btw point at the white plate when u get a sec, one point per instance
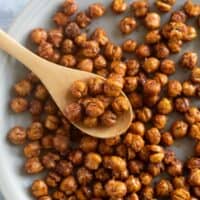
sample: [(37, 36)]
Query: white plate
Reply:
[(13, 182)]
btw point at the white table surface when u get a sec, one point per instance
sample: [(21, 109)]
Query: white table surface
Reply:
[(9, 9)]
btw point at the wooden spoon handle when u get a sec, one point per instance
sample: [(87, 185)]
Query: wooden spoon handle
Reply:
[(15, 49)]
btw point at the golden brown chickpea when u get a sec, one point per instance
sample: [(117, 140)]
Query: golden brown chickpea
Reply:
[(189, 60), (60, 19), (50, 107), (136, 100), (70, 7), (147, 193), (108, 118), (132, 67), (120, 105), (45, 198), (189, 89), (38, 35), (167, 139), (165, 106), (103, 72), (17, 135), (80, 39), (174, 88), (133, 184), (145, 178), (79, 89), (84, 176), (47, 142), (33, 166), (51, 122), (151, 87), (52, 179), (190, 34), (49, 160), (129, 46), (161, 51), (96, 10), (164, 5), (88, 144), (169, 157), (140, 8), (161, 78), (113, 52), (138, 128), (191, 8), (143, 51), (95, 86), (179, 182), (82, 19), (151, 101), (155, 169), (197, 148), (23, 88), (41, 92), (94, 108), (102, 174), (194, 131), (151, 65), (45, 50), (55, 37), (193, 115), (35, 107), (76, 157), (61, 143), (182, 104), (57, 195), (35, 131), (193, 163), (179, 129), (64, 168), (176, 168), (90, 49), (68, 61), (85, 65), (68, 46), (100, 62), (32, 149), (39, 188), (100, 36), (152, 37), (152, 20), (136, 166), (72, 30), (134, 141), (144, 114), (175, 45), (180, 194), (73, 112), (119, 6), (98, 190), (92, 161), (194, 177), (178, 16), (164, 188), (130, 84), (195, 75), (167, 66), (69, 185), (159, 121), (115, 189), (153, 136), (118, 67), (18, 104), (128, 25)]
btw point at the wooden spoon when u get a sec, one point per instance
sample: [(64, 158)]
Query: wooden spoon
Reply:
[(58, 80)]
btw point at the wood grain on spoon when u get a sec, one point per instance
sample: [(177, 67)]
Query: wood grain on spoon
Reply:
[(57, 80)]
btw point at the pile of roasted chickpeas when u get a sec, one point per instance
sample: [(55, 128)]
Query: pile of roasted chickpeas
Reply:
[(98, 102), (80, 167)]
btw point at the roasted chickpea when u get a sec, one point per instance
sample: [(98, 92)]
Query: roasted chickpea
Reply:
[(176, 168), (38, 35), (17, 135), (189, 89), (18, 104), (180, 194), (120, 105), (35, 131), (82, 19), (178, 16), (179, 129), (161, 51), (138, 128), (165, 106), (194, 131), (145, 178), (92, 161), (192, 115), (189, 60), (113, 52), (152, 20), (128, 25), (164, 5), (72, 30), (45, 198), (41, 92), (68, 46), (33, 166), (96, 10), (159, 121), (60, 19), (45, 50), (130, 84), (108, 118), (182, 104), (134, 141), (133, 184), (69, 7), (167, 66), (140, 8), (195, 75), (100, 36), (129, 46), (152, 87), (132, 67), (164, 188), (79, 89), (143, 51), (151, 65), (23, 88), (73, 112), (49, 160), (155, 169), (153, 136), (147, 193), (144, 114), (119, 6), (194, 177), (69, 185), (55, 37), (191, 8), (51, 122), (115, 189), (32, 149), (39, 188), (167, 139), (191, 33), (152, 37), (88, 144), (174, 88)]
